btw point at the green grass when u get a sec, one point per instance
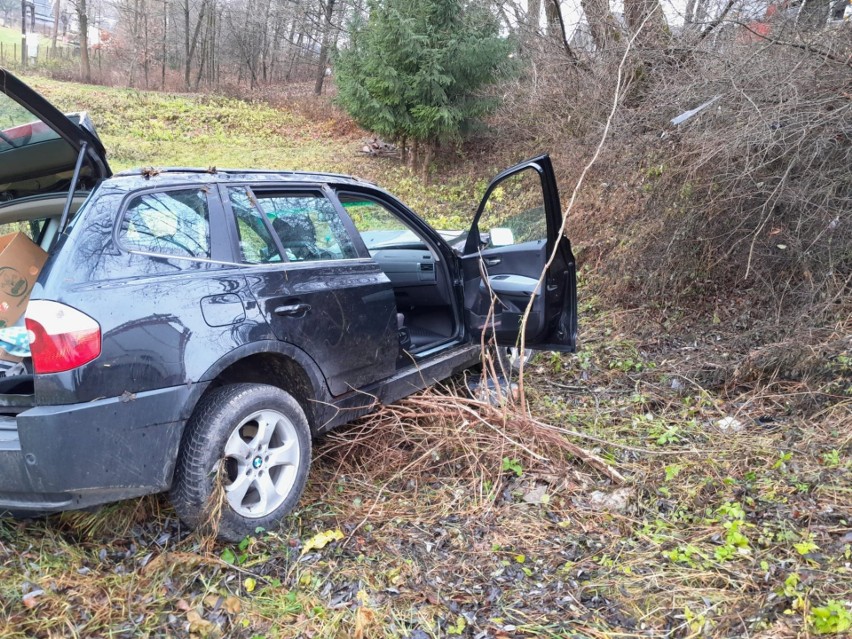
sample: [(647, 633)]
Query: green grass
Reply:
[(11, 40), (722, 534)]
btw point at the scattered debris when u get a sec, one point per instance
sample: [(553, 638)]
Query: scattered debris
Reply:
[(29, 599), (617, 501), (536, 493), (376, 147), (686, 115), (321, 540), (731, 424)]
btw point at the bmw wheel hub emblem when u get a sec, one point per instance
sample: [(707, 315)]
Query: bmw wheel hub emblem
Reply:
[(257, 462)]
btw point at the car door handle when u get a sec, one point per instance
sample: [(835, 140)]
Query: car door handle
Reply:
[(293, 309), (492, 261)]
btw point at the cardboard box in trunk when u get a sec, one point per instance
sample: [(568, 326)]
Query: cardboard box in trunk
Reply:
[(20, 263)]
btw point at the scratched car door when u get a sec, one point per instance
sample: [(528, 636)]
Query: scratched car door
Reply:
[(312, 285)]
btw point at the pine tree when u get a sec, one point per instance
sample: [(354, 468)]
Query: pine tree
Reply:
[(414, 70)]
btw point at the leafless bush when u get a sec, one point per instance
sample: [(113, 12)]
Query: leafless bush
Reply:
[(755, 193), (750, 197)]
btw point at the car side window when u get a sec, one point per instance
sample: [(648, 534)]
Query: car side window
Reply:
[(307, 226), (514, 213), (168, 223), (378, 226), (256, 243)]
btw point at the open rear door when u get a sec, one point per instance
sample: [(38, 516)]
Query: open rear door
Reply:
[(514, 233), (40, 146)]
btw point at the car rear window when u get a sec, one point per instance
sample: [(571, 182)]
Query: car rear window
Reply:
[(168, 223)]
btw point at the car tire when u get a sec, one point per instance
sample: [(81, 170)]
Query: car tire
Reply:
[(243, 462)]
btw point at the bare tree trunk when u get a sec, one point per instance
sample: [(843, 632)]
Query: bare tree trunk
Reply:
[(601, 23), (326, 35), (145, 45), (276, 33), (165, 40), (413, 155), (83, 21), (218, 31), (264, 43), (534, 15), (206, 56), (427, 160), (190, 45), (211, 53), (689, 13), (699, 17), (55, 34), (646, 15), (24, 33), (202, 59), (296, 51), (556, 28), (134, 36), (186, 29)]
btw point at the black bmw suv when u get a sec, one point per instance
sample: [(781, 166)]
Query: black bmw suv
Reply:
[(194, 329)]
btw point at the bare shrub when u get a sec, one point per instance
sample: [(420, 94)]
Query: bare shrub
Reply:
[(446, 437), (752, 197), (759, 191)]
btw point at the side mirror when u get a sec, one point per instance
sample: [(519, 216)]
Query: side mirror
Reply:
[(502, 236)]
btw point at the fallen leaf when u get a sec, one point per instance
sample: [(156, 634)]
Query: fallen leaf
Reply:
[(29, 600), (232, 605), (201, 627), (363, 618), (321, 540), (182, 605)]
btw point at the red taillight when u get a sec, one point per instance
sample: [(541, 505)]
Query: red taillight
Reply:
[(61, 337)]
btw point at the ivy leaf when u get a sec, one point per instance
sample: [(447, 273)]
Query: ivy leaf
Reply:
[(228, 556)]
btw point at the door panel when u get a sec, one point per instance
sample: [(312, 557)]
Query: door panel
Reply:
[(513, 235), (343, 315), (312, 288)]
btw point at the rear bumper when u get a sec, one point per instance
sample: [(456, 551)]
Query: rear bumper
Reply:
[(72, 456)]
